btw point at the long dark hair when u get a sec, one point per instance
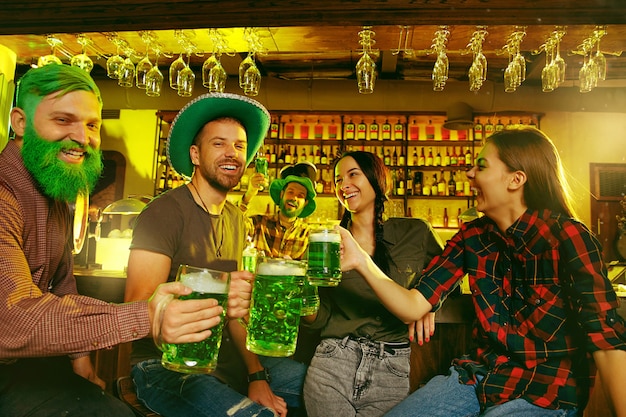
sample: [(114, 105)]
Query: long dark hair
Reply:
[(378, 177), (531, 151)]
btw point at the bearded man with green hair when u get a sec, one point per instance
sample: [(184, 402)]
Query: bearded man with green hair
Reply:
[(48, 329)]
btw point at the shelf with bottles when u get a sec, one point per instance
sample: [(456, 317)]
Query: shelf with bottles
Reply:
[(165, 178)]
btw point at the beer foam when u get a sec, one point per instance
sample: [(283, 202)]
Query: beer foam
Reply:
[(285, 268), (324, 237), (202, 282)]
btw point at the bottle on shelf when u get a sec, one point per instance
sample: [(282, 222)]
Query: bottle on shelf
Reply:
[(387, 158), (445, 217), (451, 185), (454, 159), (304, 130), (430, 131), (414, 131), (302, 157), (468, 157), (274, 128), (374, 134), (437, 160), (288, 157), (445, 161), (398, 130), (324, 157), (414, 158), (332, 129), (402, 157), (489, 128), (421, 161), (429, 158), (318, 130), (426, 186), (349, 130), (458, 189), (445, 134), (311, 156), (499, 126), (386, 130), (417, 183), (289, 129), (408, 212), (394, 158), (441, 185), (318, 156), (478, 130), (281, 156), (409, 183), (361, 130), (328, 183)]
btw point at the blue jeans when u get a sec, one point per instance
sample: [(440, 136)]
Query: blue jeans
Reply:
[(43, 387), (355, 378), (172, 393), (445, 396)]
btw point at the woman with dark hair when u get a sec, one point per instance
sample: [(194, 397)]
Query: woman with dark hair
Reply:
[(361, 366), (539, 287)]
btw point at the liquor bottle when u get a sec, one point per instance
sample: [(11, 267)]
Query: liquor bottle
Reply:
[(430, 131), (281, 156), (499, 126), (426, 188), (332, 130), (414, 157), (467, 191), (319, 186), (288, 158), (311, 156), (437, 160), (409, 183), (408, 212), (417, 183), (328, 183), (445, 134), (302, 157), (461, 134), (402, 158), (451, 185), (267, 209), (361, 130), (454, 158), (318, 156), (374, 134), (478, 130), (394, 158), (274, 128), (318, 130), (441, 185), (445, 217), (446, 158), (398, 131), (421, 161), (323, 158), (458, 190), (489, 128), (268, 154), (349, 130), (400, 190), (394, 182), (304, 130), (414, 131), (387, 158), (429, 216), (289, 129), (459, 222), (386, 130), (273, 153), (429, 158), (468, 158)]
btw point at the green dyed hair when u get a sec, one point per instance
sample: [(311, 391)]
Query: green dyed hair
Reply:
[(40, 82)]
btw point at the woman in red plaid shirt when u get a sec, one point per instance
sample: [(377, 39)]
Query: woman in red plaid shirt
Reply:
[(543, 302)]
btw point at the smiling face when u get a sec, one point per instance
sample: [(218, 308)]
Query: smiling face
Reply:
[(293, 199), (61, 143), (493, 183), (352, 187), (219, 153)]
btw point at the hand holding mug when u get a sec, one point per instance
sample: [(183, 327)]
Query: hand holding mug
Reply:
[(239, 294), (352, 255)]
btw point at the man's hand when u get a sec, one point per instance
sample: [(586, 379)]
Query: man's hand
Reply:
[(181, 321), (239, 294), (261, 393), (82, 366)]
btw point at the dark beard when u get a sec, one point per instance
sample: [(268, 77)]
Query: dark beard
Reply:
[(57, 179), (219, 181)]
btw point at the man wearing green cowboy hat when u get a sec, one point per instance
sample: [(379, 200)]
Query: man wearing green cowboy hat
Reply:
[(286, 234), (211, 141)]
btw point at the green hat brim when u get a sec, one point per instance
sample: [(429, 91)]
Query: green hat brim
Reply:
[(279, 184), (191, 119)]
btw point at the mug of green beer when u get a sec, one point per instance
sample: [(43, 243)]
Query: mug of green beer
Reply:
[(324, 257), (275, 307), (199, 357)]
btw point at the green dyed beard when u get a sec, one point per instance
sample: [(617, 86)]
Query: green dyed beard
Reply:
[(57, 179)]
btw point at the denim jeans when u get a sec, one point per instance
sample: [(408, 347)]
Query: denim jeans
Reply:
[(445, 396), (350, 378), (43, 387), (171, 393)]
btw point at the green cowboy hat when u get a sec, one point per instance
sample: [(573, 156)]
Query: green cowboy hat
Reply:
[(253, 116), (280, 183)]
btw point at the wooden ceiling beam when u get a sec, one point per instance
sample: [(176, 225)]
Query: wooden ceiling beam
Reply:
[(67, 16)]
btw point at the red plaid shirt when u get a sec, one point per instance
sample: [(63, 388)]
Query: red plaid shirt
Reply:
[(524, 345)]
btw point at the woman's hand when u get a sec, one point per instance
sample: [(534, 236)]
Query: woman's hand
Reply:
[(352, 255), (423, 329)]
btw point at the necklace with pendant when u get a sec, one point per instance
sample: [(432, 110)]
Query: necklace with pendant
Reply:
[(218, 248)]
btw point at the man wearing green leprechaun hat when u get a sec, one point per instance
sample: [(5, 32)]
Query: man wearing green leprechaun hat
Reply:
[(285, 233), (211, 141)]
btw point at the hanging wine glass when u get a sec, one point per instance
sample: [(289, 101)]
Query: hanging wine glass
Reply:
[(366, 74), (114, 65), (175, 68), (82, 61), (440, 71), (213, 75), (252, 81), (154, 79), (559, 63), (141, 71), (186, 80), (51, 58), (600, 62), (584, 76), (243, 67), (126, 73)]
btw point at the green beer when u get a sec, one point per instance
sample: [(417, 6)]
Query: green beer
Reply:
[(275, 307), (199, 357), (310, 299), (324, 258)]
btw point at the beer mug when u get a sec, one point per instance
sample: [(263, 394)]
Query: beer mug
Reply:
[(310, 299), (199, 357), (324, 257), (275, 307)]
